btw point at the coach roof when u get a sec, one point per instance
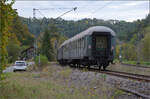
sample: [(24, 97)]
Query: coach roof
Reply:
[(89, 31)]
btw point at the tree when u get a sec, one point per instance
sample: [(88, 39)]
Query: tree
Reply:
[(21, 31), (129, 51), (13, 48), (46, 48), (6, 16), (145, 48)]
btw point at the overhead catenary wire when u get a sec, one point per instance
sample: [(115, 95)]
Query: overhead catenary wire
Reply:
[(73, 9), (41, 13), (53, 8), (100, 8)]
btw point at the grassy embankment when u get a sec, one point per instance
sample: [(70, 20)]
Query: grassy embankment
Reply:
[(135, 62), (142, 63), (131, 69), (52, 82)]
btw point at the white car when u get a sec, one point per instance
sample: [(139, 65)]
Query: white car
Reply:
[(20, 66)]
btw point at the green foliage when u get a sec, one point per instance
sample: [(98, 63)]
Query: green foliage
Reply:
[(13, 48), (47, 47), (42, 59), (145, 48), (117, 93), (138, 47), (21, 31), (13, 51), (135, 62), (117, 51), (124, 30), (71, 28), (129, 51), (6, 16)]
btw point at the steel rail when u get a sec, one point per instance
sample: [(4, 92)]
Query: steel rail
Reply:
[(140, 66), (128, 75), (135, 93), (138, 77)]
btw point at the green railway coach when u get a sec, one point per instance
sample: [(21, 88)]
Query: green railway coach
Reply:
[(94, 46)]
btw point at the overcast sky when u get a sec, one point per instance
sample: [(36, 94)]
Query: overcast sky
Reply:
[(120, 10)]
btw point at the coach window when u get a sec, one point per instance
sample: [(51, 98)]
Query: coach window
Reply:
[(74, 44), (79, 43), (83, 42), (71, 45), (67, 46), (64, 48)]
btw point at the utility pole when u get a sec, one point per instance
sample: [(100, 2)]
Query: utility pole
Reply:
[(35, 40), (34, 17), (34, 13)]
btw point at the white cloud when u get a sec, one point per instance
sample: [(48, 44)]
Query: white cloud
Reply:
[(126, 10), (134, 3)]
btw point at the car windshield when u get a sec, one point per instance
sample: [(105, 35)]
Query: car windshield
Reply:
[(20, 64)]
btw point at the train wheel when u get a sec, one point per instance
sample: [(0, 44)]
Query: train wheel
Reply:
[(73, 65), (105, 65), (70, 65), (89, 67), (99, 67), (79, 65), (104, 68)]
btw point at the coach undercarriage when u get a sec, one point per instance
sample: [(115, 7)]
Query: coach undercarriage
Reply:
[(100, 63)]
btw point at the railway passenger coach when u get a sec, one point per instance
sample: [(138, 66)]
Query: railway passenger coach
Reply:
[(94, 46)]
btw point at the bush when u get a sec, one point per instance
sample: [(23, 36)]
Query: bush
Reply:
[(43, 60)]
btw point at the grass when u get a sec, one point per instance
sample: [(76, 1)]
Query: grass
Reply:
[(53, 82), (117, 93), (135, 62)]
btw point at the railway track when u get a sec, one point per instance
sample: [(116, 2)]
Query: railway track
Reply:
[(133, 76), (142, 96), (137, 77), (127, 75)]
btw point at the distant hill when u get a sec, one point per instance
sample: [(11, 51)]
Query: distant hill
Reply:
[(124, 30)]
